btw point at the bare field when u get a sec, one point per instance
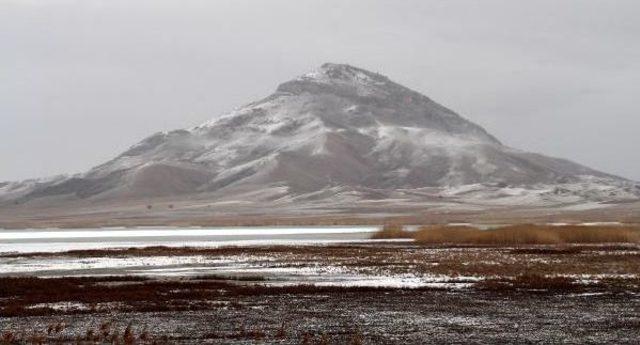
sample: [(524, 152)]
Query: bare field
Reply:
[(345, 316), (204, 213)]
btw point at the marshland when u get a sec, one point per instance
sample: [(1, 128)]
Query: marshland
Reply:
[(409, 284)]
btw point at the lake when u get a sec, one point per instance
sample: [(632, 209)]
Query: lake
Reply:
[(56, 240)]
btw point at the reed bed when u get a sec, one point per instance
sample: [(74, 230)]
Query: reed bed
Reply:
[(524, 234), (391, 231)]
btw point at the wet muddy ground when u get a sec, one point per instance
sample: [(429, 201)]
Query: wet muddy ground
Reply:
[(365, 317)]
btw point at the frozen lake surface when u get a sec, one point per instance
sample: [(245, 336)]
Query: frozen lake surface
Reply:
[(56, 240), (244, 265)]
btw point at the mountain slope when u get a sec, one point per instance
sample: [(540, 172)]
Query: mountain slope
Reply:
[(339, 134)]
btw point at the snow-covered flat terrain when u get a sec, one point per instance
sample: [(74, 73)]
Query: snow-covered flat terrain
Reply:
[(272, 272)]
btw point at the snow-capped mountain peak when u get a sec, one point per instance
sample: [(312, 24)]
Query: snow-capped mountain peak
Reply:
[(343, 73), (338, 129)]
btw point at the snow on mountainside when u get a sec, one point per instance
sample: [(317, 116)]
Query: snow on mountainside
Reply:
[(340, 134)]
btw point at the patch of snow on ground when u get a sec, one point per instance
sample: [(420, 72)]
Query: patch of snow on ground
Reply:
[(61, 306)]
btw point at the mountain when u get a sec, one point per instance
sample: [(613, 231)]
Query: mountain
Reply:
[(339, 135)]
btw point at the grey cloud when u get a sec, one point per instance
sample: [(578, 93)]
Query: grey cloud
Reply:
[(80, 81)]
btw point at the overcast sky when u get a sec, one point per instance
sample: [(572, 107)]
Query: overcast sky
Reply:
[(80, 81)]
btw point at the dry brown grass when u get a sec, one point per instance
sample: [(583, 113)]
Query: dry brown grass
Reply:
[(527, 234), (591, 234), (391, 231)]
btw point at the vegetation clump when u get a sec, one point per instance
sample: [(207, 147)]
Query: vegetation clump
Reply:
[(392, 231), (524, 234)]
